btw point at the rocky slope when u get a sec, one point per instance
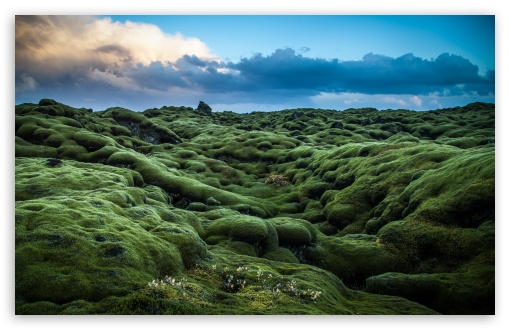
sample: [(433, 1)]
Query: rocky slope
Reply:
[(303, 211)]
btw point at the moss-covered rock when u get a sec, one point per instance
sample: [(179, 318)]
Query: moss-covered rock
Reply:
[(252, 230), (351, 259), (84, 248), (294, 232), (282, 255), (462, 293)]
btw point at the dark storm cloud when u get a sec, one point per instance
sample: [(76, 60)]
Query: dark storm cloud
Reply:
[(286, 70), (484, 86), (194, 60), (374, 74), (155, 76)]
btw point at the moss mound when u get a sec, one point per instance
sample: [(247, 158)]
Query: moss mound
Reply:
[(294, 232), (466, 293)]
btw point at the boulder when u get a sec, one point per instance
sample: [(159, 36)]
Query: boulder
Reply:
[(204, 108)]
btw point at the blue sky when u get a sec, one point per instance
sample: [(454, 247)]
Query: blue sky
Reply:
[(247, 63), (346, 37)]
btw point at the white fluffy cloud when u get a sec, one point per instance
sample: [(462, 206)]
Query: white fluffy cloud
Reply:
[(52, 46), (394, 100), (145, 43), (416, 100)]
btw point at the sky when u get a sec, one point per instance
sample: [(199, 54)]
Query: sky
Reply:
[(245, 63)]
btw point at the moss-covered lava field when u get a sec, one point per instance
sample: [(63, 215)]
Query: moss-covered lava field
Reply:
[(304, 211)]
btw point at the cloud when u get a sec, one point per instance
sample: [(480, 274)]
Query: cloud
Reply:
[(416, 100), (351, 101), (26, 83), (284, 69), (64, 49), (110, 78), (435, 103), (374, 74), (394, 100)]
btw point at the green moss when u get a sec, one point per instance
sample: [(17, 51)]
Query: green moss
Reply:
[(70, 150), (142, 304), (435, 248), (196, 167), (98, 156), (247, 229), (402, 137), (108, 201), (351, 259), (239, 247), (192, 248), (327, 229), (341, 215), (240, 227), (38, 308), (124, 159), (282, 255), (449, 293), (85, 245), (461, 192), (422, 288), (271, 242), (84, 252), (90, 141), (157, 194), (39, 151), (196, 206), (294, 232)]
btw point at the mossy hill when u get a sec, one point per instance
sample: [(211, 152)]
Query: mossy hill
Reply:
[(301, 211)]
